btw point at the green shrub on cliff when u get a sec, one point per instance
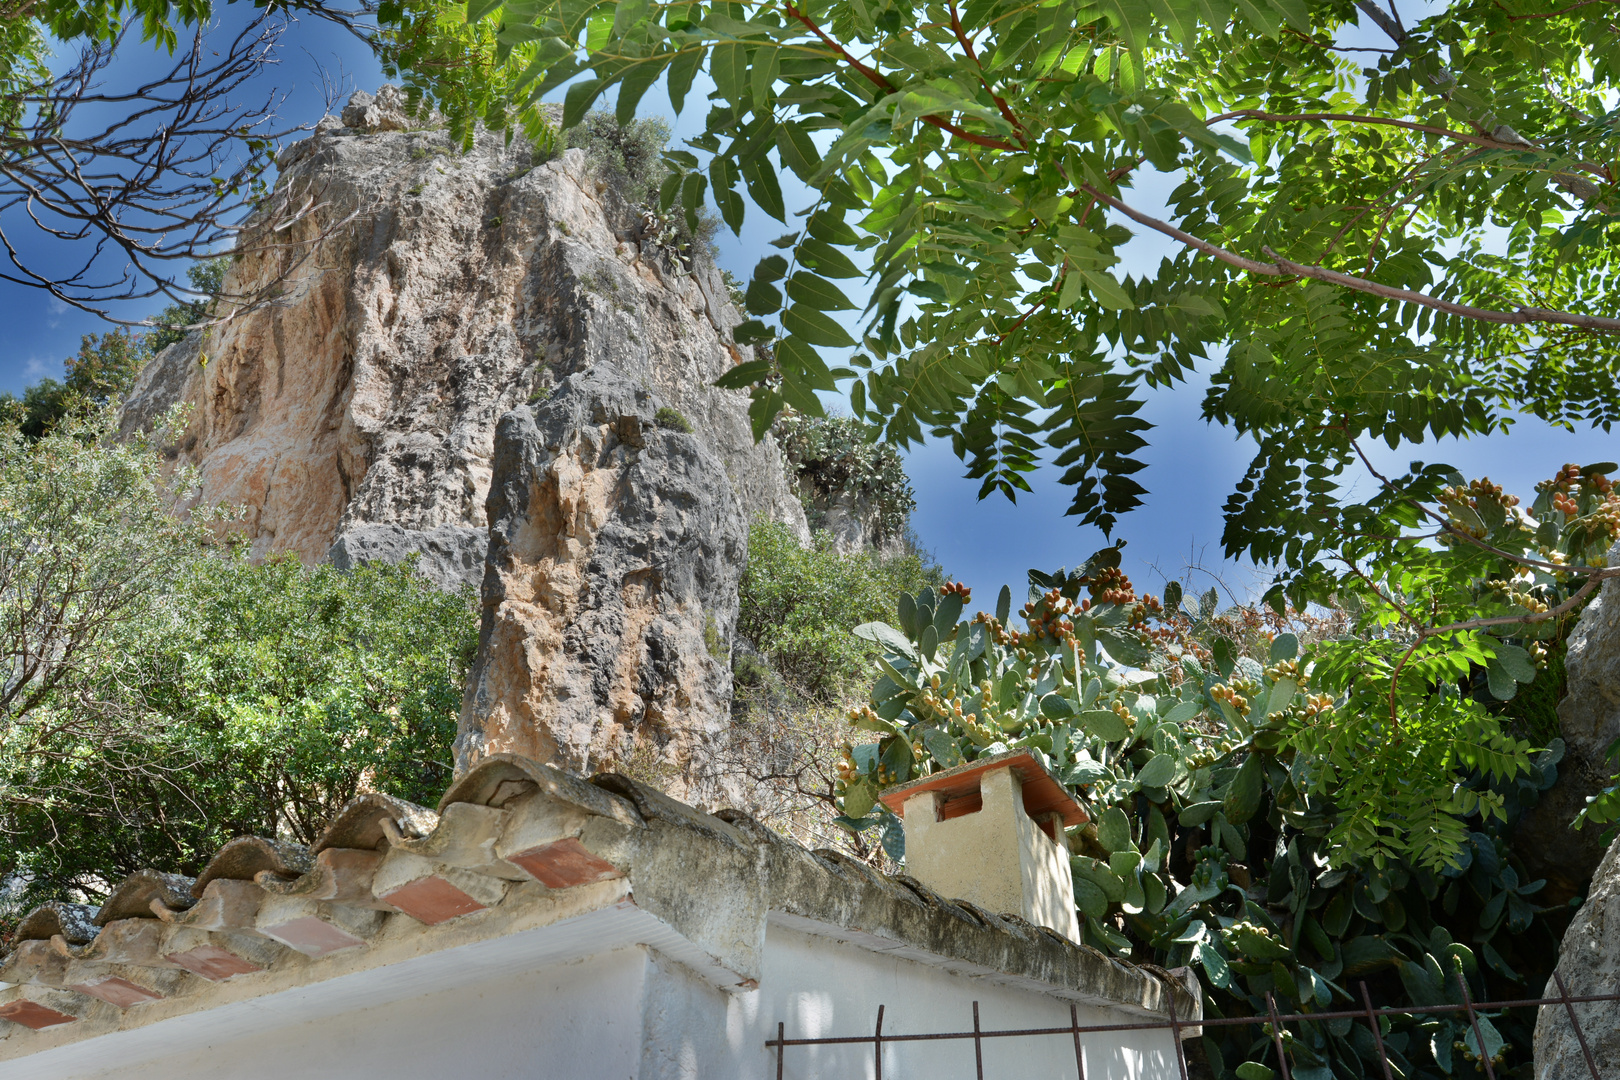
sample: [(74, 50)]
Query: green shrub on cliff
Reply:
[(799, 604)]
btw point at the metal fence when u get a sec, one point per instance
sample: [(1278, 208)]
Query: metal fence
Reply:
[(1274, 1022)]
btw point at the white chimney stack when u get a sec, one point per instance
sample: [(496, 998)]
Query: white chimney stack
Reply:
[(991, 832)]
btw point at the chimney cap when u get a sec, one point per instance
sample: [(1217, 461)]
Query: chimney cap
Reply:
[(1043, 794)]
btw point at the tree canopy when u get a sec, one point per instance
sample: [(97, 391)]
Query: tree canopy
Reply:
[(1395, 240)]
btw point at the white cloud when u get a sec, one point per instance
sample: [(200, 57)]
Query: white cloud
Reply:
[(35, 368)]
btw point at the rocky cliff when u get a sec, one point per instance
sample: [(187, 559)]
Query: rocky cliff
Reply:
[(424, 294), (1589, 721), (485, 354)]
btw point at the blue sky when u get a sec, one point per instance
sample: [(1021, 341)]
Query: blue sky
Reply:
[(1192, 466)]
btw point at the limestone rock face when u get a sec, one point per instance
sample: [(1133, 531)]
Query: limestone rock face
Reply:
[(1589, 962), (425, 300), (423, 294), (1589, 719), (450, 556), (610, 595)]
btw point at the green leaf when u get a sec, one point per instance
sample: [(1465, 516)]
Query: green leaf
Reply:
[(812, 326), (1503, 686), (1057, 707), (1158, 772), (1126, 646), (744, 375), (1198, 813), (579, 99), (728, 67), (1114, 830), (942, 748), (1243, 794), (682, 70), (883, 634), (1089, 898), (1516, 662), (762, 298), (1104, 724), (859, 797), (818, 293), (1182, 712), (1107, 291), (1284, 647), (1253, 1070), (1133, 19)]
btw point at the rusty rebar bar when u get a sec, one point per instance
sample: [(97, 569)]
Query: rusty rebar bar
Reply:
[(1074, 1025), (978, 1044), (877, 1044), (1175, 1033), (1378, 1033), (1473, 1018), (1586, 1051), (1276, 1036)]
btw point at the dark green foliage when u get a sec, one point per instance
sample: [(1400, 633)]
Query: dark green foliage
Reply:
[(208, 278), (799, 604), (838, 455), (41, 406), (633, 160), (672, 420), (629, 156), (259, 701), (1211, 845)]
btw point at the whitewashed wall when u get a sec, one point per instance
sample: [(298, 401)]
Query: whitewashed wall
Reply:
[(633, 1014)]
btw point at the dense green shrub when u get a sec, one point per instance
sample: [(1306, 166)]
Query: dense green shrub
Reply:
[(799, 604), (166, 695), (1214, 842), (628, 156), (255, 700), (833, 455)]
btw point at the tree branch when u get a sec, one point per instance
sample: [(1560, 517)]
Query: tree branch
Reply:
[(1518, 317)]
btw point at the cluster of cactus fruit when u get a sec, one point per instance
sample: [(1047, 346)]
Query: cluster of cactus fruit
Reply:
[(1204, 849)]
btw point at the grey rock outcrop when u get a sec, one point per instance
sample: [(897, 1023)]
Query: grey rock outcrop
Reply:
[(1589, 963), (424, 300), (610, 598), (450, 556), (423, 293), (1589, 720)]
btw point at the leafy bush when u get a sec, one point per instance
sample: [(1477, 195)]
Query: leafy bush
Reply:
[(628, 156), (166, 695), (632, 159), (672, 420), (798, 606), (256, 700), (1212, 841), (837, 454)]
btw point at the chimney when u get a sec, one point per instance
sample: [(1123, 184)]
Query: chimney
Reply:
[(991, 832)]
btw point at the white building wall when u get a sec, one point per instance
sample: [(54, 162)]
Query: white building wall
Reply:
[(581, 1019), (634, 1014), (819, 987)]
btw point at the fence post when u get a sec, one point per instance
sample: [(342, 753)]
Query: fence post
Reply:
[(1569, 1007), (1378, 1034), (1276, 1037)]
